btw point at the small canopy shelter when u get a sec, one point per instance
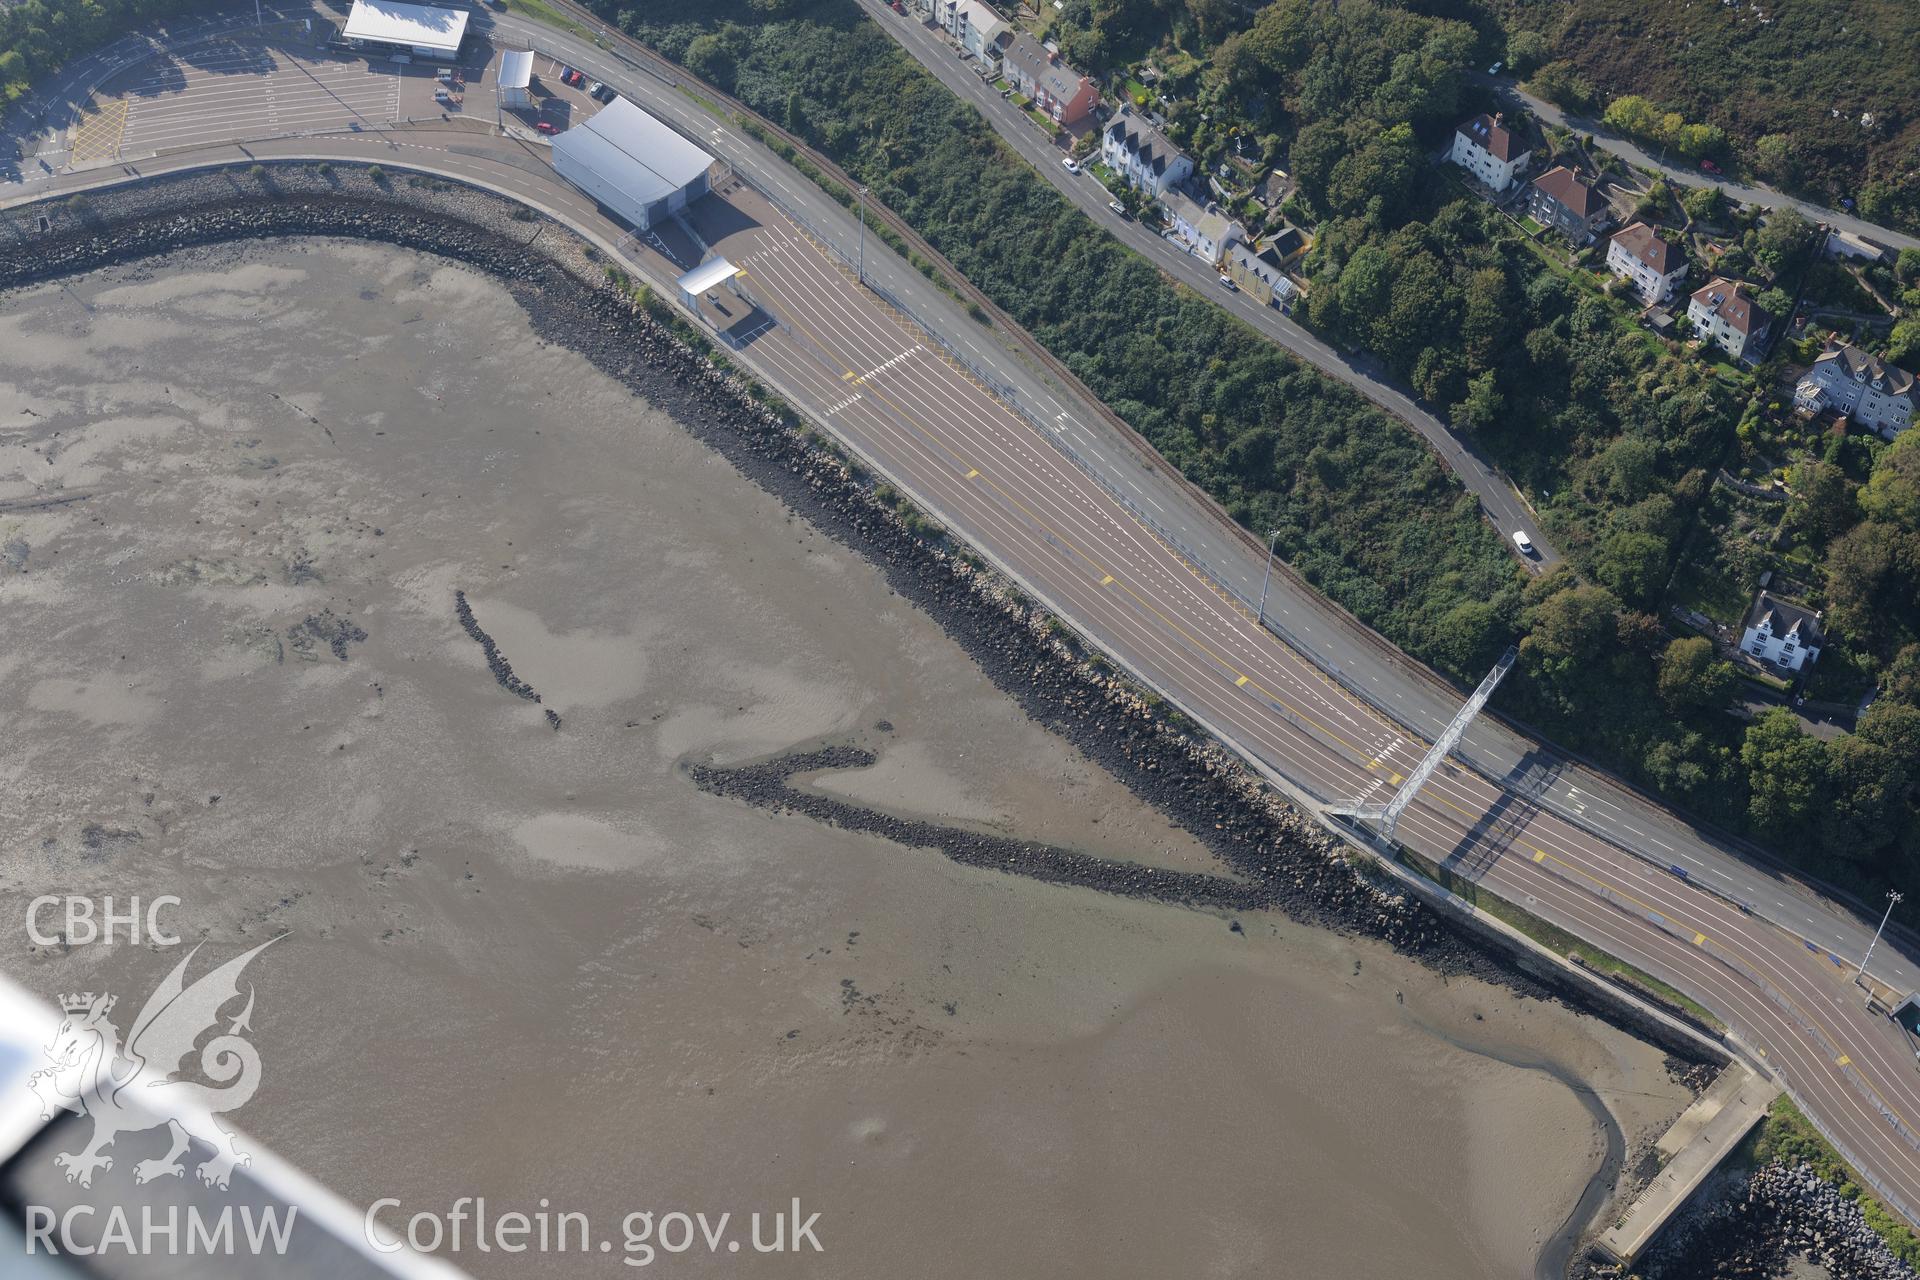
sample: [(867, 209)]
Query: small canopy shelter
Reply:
[(710, 274)]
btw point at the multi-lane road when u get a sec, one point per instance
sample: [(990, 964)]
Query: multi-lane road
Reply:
[(1387, 682), (1498, 499), (1572, 849)]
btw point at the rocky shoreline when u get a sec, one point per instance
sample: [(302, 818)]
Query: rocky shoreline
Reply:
[(1755, 1225), (1274, 856), (1292, 863)]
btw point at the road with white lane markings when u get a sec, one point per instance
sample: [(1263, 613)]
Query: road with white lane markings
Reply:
[(989, 473)]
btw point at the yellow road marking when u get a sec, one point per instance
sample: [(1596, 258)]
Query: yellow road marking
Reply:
[(1395, 780), (1842, 1060), (1699, 939), (847, 376), (1241, 682), (1539, 855), (974, 472), (1201, 646), (97, 136)]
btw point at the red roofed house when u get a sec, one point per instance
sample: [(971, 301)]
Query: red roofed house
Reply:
[(1058, 91), (1653, 266), (1729, 318), (1560, 200), (1489, 151)]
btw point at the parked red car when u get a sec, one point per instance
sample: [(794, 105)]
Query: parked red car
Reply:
[(546, 126), (1710, 166)]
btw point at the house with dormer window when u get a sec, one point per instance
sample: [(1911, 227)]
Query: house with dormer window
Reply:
[(1785, 635), (1848, 381), (1490, 151), (1651, 265), (1558, 199), (1726, 315), (1059, 92), (1134, 148)]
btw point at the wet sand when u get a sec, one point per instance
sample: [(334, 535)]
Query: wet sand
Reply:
[(531, 963)]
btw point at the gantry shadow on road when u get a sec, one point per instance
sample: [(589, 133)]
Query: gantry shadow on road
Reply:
[(1518, 803)]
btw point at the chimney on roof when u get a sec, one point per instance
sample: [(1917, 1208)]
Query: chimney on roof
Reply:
[(1498, 117)]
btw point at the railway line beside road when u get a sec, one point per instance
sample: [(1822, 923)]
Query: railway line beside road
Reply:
[(1523, 824)]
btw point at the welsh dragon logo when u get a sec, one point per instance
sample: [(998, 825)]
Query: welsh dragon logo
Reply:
[(132, 1086)]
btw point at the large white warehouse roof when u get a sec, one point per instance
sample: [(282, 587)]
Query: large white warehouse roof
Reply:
[(418, 26), (631, 151), (516, 69)]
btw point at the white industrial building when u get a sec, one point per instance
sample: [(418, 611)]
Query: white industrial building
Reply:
[(516, 78), (418, 29), (632, 164)]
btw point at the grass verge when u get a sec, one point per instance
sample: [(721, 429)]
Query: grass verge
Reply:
[(1557, 939), (541, 11), (1787, 1134), (845, 198)]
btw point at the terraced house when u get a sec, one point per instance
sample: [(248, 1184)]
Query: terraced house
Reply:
[(1059, 92), (1849, 381), (1134, 148), (976, 27), (1723, 313), (1205, 230)]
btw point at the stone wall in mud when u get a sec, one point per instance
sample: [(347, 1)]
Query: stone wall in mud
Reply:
[(1272, 856)]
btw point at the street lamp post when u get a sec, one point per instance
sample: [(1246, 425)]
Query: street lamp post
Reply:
[(1267, 576), (1893, 898), (863, 235)]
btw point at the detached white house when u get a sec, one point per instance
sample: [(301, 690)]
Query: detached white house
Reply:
[(1783, 634), (1487, 149), (1654, 267), (1134, 147), (1847, 380), (1723, 313)]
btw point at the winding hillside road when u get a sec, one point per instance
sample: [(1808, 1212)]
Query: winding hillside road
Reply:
[(1062, 504)]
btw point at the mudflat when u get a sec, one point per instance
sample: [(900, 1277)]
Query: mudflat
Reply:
[(239, 491)]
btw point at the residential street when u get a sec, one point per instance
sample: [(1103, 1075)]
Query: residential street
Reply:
[(1395, 686), (1607, 140), (1544, 832), (1497, 498)]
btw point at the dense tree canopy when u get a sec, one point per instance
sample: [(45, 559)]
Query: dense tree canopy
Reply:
[(1619, 439), (38, 37)]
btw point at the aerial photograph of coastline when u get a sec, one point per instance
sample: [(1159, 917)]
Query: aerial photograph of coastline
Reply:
[(858, 638)]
